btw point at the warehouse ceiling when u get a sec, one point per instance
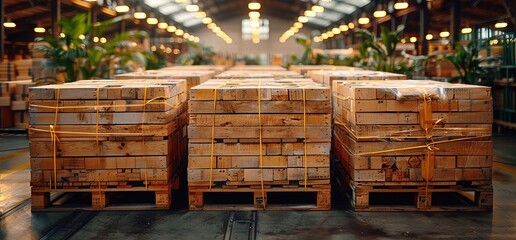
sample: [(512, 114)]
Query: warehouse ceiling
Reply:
[(28, 14)]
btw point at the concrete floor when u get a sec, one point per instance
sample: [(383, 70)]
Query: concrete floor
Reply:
[(339, 223)]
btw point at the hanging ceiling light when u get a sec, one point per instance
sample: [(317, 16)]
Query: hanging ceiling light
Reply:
[(310, 13), (444, 34), (152, 20), (162, 25), (401, 5), (121, 7), (138, 14), (254, 15), (207, 20), (343, 28), (171, 28), (192, 7), (413, 39), (39, 29), (380, 12), (180, 32), (501, 25), (318, 8), (466, 30), (200, 14), (335, 30), (9, 24), (363, 19), (302, 19), (298, 25), (254, 5), (351, 25), (429, 37)]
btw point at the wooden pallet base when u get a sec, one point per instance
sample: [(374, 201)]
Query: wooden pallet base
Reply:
[(100, 198), (247, 198), (379, 196)]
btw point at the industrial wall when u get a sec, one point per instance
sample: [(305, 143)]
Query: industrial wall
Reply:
[(272, 46)]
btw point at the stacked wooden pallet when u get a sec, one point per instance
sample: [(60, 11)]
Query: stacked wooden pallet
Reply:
[(259, 136), (23, 69), (245, 74), (7, 71), (14, 100), (217, 68), (423, 137), (260, 68), (326, 77), (103, 136), (193, 78), (304, 69)]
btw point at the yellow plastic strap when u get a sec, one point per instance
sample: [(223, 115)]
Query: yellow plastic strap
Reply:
[(305, 162), (264, 204), (54, 138), (212, 146), (97, 123), (343, 98), (425, 115), (143, 133)]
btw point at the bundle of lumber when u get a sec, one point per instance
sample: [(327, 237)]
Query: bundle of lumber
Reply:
[(304, 69), (217, 68), (258, 68), (7, 71), (107, 135), (23, 69), (193, 77), (413, 136), (243, 74), (326, 77), (252, 134)]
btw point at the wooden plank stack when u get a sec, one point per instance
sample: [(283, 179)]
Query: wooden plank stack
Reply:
[(14, 101), (304, 69), (7, 71), (104, 136), (243, 74), (23, 69), (420, 137), (257, 68), (193, 78), (259, 136), (326, 77), (217, 68)]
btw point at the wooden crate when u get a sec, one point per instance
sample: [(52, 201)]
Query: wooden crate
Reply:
[(193, 78), (248, 132), (111, 133), (247, 74), (257, 68), (216, 68), (403, 137)]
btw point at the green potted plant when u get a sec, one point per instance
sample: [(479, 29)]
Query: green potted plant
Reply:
[(466, 61), (74, 56)]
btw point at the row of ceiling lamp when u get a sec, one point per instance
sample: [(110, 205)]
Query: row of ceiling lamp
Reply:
[(311, 12), (254, 17)]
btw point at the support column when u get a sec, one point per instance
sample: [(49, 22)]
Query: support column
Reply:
[(424, 19), (2, 31), (55, 12), (455, 21)]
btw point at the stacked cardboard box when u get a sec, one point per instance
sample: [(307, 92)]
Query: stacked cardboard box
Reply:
[(107, 135), (413, 136), (248, 134)]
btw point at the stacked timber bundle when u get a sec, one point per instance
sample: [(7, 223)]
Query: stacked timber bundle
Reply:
[(20, 102), (260, 68), (7, 71), (23, 69), (326, 77), (304, 69), (216, 68), (104, 136), (243, 74), (193, 78), (260, 137), (422, 137)]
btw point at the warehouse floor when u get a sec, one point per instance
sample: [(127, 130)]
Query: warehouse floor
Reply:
[(18, 222)]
